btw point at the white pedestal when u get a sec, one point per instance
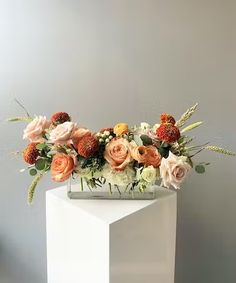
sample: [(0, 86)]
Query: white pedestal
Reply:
[(111, 241)]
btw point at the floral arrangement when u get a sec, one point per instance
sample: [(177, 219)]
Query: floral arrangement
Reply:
[(129, 158)]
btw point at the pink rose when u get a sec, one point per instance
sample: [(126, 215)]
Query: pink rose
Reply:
[(79, 134), (35, 129), (63, 133), (173, 170), (118, 154)]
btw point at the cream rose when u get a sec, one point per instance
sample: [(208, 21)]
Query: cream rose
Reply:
[(63, 133), (117, 153), (173, 170), (149, 174), (35, 129)]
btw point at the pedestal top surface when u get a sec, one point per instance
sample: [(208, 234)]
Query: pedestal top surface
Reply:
[(108, 211)]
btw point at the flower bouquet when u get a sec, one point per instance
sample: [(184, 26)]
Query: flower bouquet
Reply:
[(126, 161)]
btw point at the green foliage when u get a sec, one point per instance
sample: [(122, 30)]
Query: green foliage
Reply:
[(146, 140), (164, 150), (200, 168), (40, 164), (138, 140), (41, 146), (33, 172)]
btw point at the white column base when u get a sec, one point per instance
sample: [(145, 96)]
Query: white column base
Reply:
[(111, 241)]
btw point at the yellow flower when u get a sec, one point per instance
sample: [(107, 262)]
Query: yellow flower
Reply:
[(121, 129)]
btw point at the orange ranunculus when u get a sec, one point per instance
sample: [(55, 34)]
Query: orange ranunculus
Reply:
[(153, 156), (147, 155), (79, 134), (62, 166), (117, 153), (121, 129), (139, 153)]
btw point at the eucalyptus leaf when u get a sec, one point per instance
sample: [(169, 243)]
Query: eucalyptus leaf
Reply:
[(40, 164), (200, 169), (33, 172)]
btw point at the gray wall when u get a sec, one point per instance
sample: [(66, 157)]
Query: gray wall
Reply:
[(111, 60)]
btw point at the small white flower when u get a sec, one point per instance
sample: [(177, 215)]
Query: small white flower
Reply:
[(103, 135), (107, 133), (100, 140), (155, 127), (110, 137), (107, 140), (144, 126)]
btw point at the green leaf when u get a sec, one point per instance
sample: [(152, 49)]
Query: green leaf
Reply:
[(200, 169), (33, 172), (41, 146), (191, 127), (146, 140), (33, 185), (164, 152), (40, 164), (138, 140)]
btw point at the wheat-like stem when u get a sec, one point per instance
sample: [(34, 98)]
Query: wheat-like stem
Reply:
[(220, 150), (186, 116), (33, 185)]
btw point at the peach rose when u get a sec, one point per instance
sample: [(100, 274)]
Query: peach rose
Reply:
[(63, 133), (62, 166), (173, 170), (147, 155), (79, 134), (121, 129), (35, 129), (117, 153)]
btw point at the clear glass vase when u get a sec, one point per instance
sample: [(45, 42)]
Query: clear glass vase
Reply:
[(78, 189)]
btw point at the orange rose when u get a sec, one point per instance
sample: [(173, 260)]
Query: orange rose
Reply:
[(62, 166), (121, 129), (117, 153), (147, 155)]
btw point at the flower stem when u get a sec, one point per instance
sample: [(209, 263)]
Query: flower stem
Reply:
[(117, 187), (110, 188), (82, 184)]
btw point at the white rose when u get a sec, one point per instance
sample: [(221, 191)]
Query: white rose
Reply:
[(173, 170), (62, 133), (35, 129), (120, 178), (149, 174)]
